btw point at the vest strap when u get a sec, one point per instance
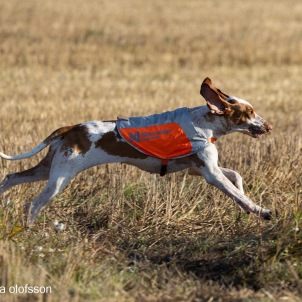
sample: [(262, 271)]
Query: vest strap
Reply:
[(163, 169)]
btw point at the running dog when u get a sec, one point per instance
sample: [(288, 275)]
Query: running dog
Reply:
[(73, 149)]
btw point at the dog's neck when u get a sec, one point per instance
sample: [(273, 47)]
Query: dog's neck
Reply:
[(210, 125)]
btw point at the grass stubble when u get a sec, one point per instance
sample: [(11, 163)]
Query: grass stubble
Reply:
[(127, 235)]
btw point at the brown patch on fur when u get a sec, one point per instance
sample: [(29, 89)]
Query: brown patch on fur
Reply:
[(241, 113), (57, 133), (77, 139), (110, 142), (198, 162)]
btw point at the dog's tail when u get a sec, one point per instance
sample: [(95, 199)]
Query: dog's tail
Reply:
[(51, 138)]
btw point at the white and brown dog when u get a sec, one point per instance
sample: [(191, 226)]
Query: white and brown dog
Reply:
[(79, 147)]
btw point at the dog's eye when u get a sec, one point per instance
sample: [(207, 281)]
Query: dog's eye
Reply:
[(250, 110)]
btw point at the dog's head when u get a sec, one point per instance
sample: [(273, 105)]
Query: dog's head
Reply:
[(238, 112)]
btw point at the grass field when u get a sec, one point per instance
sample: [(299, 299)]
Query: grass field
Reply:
[(129, 235)]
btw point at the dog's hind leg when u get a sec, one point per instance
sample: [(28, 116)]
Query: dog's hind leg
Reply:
[(37, 173), (63, 170), (55, 185)]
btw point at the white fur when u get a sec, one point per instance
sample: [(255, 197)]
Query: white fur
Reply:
[(239, 100), (30, 153)]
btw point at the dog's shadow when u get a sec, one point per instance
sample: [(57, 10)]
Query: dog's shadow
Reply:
[(230, 262)]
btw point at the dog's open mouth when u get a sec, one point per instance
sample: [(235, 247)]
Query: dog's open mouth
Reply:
[(257, 132)]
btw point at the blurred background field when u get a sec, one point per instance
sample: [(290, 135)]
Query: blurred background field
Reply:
[(128, 235)]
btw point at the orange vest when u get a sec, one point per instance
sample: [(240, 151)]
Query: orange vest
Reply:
[(168, 135)]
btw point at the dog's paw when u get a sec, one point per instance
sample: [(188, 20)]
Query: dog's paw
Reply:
[(266, 214)]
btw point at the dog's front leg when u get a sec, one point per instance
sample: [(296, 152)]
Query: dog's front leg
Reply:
[(234, 177), (206, 164)]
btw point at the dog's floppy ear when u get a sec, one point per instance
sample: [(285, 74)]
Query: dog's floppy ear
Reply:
[(216, 99)]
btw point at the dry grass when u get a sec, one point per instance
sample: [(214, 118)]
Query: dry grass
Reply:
[(131, 236)]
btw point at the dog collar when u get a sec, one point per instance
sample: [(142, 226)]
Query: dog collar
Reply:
[(212, 140)]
